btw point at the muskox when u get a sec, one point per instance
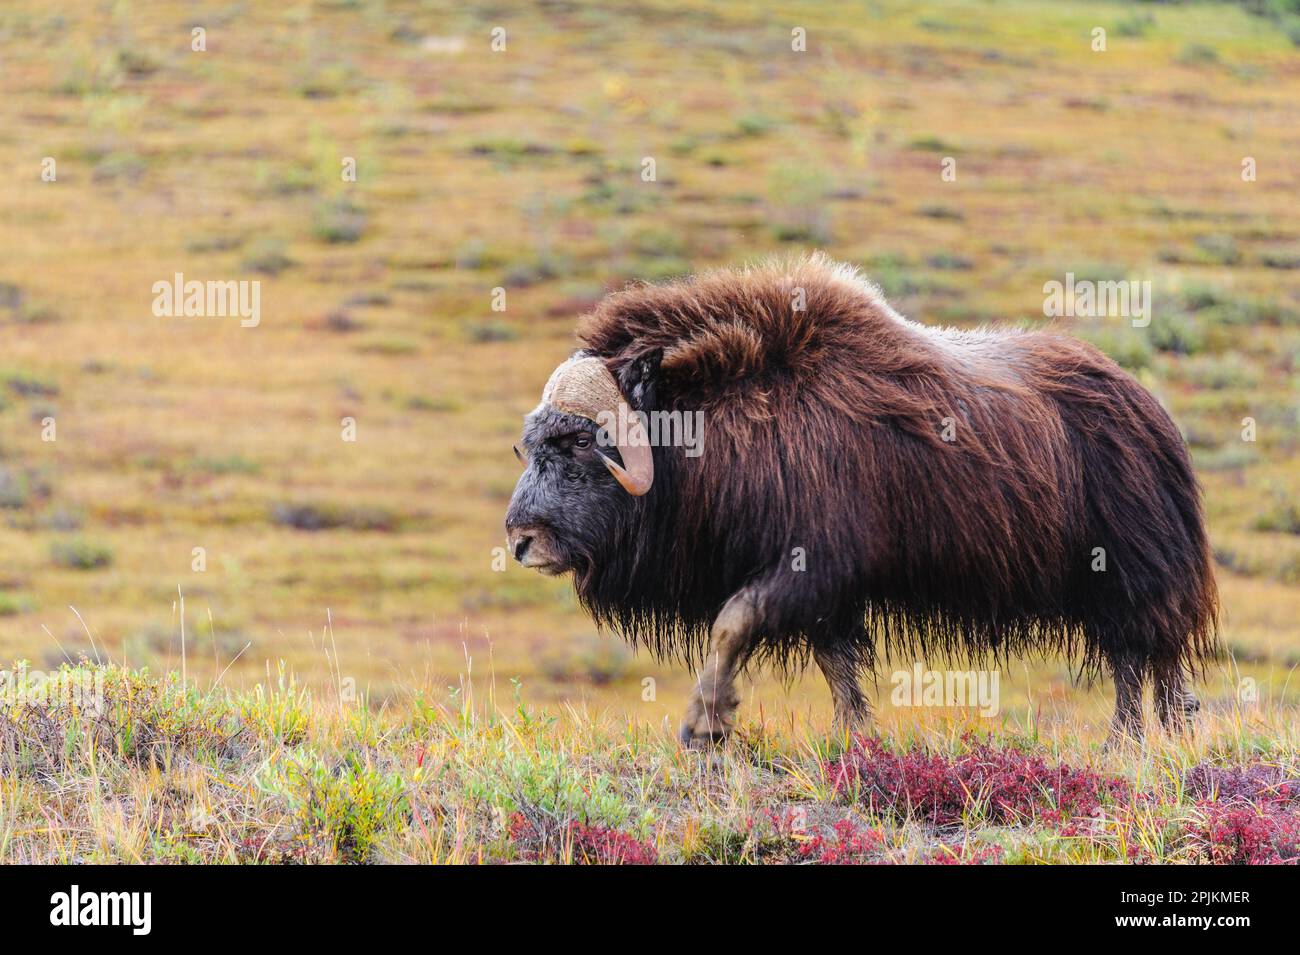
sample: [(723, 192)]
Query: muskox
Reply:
[(864, 483)]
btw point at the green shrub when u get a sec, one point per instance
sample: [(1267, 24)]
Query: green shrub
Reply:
[(933, 144), (325, 516), (798, 210), (280, 715), (15, 488), (897, 279), (1219, 372), (548, 781), (941, 212), (1219, 248), (1177, 333), (546, 265), (1217, 307), (1280, 258), (754, 124), (348, 803), (662, 269), (949, 261), (338, 221), (1130, 350), (137, 63), (490, 331), (13, 604), (119, 166), (594, 659), (389, 346), (1137, 24), (27, 385), (1197, 54), (1283, 515), (326, 81), (268, 257), (36, 315), (79, 554), (1233, 457), (228, 464), (215, 243), (509, 148)]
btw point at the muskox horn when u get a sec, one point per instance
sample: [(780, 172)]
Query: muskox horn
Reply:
[(584, 387)]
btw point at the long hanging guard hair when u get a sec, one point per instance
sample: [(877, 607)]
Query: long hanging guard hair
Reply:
[(981, 494)]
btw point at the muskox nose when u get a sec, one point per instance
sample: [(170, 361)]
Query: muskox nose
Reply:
[(518, 541)]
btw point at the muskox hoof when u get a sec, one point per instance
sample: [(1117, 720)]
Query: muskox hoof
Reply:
[(708, 724), (849, 724), (704, 727), (1122, 738), (694, 739), (1178, 716)]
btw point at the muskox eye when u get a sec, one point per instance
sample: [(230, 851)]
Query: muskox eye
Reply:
[(582, 441)]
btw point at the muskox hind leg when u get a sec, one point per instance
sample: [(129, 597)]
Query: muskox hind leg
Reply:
[(1127, 724), (1175, 704), (840, 667), (709, 717)]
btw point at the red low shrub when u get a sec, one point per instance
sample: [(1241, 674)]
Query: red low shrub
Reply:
[(1241, 783), (1240, 833), (1250, 814), (849, 845), (1011, 785), (590, 844), (965, 855)]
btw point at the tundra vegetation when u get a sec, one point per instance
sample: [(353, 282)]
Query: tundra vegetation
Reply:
[(152, 769), (360, 683)]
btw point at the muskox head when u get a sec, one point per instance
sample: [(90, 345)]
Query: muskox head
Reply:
[(587, 459)]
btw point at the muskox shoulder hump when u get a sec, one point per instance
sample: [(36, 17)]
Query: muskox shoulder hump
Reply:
[(782, 317)]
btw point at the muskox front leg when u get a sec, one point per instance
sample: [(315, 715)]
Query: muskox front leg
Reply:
[(709, 716), (840, 667)]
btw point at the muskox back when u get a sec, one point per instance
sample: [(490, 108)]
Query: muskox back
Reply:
[(986, 493)]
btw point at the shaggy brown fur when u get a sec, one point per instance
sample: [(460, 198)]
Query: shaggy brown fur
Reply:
[(825, 438)]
